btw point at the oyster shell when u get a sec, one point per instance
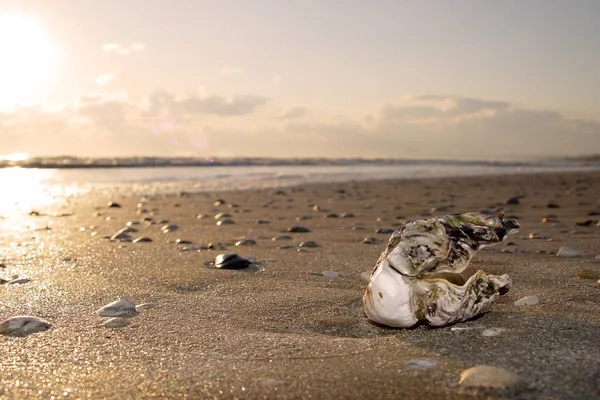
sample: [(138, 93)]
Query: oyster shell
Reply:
[(417, 277)]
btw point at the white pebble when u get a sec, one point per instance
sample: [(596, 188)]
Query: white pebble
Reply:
[(421, 363), (331, 274), (527, 301), (568, 252), (120, 308), (486, 376), (23, 325), (492, 332)]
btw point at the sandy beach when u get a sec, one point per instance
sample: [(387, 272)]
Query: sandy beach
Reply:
[(280, 328)]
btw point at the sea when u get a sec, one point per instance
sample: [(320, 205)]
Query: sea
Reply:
[(33, 187)]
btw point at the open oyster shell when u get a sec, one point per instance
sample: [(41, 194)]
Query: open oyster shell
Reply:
[(416, 278)]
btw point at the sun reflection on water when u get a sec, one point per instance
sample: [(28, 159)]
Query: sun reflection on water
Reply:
[(24, 190)]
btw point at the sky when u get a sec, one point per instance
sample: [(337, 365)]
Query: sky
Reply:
[(460, 79)]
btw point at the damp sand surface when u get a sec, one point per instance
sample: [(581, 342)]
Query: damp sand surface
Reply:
[(281, 328)]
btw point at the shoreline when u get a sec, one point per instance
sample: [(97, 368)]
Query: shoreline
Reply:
[(282, 330)]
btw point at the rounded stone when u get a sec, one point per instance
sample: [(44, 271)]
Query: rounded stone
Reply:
[(488, 377)]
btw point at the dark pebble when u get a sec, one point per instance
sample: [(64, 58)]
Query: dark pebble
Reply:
[(513, 201), (263, 221), (308, 243), (182, 241), (142, 239), (246, 242), (112, 204), (385, 230), (225, 222), (347, 215), (552, 205), (298, 229)]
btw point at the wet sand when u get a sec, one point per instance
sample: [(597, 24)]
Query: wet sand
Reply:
[(280, 329)]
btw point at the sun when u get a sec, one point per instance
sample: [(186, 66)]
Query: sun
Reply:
[(28, 63)]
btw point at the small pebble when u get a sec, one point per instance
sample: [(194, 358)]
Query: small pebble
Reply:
[(23, 325), (231, 261), (169, 228), (385, 230), (282, 237), (183, 241), (568, 252), (489, 332), (527, 301), (112, 204), (488, 377), (371, 240), (142, 239), (535, 235), (225, 222), (263, 221), (119, 308), (421, 363), (246, 242), (222, 215), (513, 201), (298, 229), (347, 215), (116, 322), (308, 243)]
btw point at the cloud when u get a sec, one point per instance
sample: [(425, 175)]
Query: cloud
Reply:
[(425, 126), (296, 112), (104, 79), (162, 101), (228, 70), (122, 49)]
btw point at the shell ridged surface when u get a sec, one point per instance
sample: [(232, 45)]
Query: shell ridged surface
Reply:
[(23, 325), (120, 308), (415, 278)]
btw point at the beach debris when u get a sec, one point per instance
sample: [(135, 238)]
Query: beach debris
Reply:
[(116, 322), (418, 363), (122, 235), (263, 221), (331, 274), (331, 215), (536, 235), (282, 237), (371, 240), (222, 215), (527, 301), (568, 252), (222, 222), (112, 204), (219, 202), (119, 308), (231, 261), (589, 222), (169, 228), (513, 201), (309, 243), (23, 325), (404, 290), (245, 242), (346, 215), (386, 230), (588, 274), (298, 229), (552, 205), (488, 377), (489, 332), (183, 241), (201, 216), (142, 239)]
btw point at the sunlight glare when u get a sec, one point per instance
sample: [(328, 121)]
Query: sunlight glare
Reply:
[(29, 61)]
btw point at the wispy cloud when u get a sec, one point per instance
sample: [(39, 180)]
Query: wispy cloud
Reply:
[(124, 50), (296, 112)]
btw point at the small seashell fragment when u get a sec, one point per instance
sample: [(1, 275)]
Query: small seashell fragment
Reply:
[(122, 235), (23, 325), (527, 301), (489, 332), (116, 322), (222, 215), (169, 228), (568, 252), (142, 239), (331, 274), (371, 240), (225, 222), (112, 204), (119, 308), (144, 306), (489, 377), (536, 235), (231, 261), (282, 237)]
